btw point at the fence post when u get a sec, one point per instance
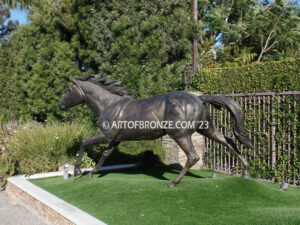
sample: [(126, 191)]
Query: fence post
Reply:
[(273, 130)]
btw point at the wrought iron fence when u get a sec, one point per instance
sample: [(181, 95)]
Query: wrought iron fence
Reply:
[(272, 120)]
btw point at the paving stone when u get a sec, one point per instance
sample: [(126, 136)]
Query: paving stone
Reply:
[(12, 213)]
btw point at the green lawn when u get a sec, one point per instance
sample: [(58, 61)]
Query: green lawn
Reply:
[(141, 196)]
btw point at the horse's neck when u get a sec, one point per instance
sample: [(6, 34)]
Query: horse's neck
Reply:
[(98, 98)]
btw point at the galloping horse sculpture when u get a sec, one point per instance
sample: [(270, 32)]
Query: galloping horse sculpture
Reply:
[(111, 103)]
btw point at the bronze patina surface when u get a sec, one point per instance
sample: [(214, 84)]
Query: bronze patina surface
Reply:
[(112, 104)]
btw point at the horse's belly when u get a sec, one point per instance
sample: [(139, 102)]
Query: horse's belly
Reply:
[(139, 134)]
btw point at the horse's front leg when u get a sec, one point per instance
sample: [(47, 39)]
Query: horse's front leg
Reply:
[(111, 147), (98, 139)]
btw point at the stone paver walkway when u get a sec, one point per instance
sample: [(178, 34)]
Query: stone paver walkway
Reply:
[(12, 213)]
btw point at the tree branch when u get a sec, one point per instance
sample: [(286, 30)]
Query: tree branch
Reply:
[(271, 46), (271, 33), (265, 47), (229, 11), (261, 42)]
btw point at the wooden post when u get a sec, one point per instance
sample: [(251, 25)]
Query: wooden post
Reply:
[(273, 130), (195, 42)]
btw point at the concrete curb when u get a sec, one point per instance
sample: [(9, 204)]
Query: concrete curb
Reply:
[(52, 208), (61, 173)]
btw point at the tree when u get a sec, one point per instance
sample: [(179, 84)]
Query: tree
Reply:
[(18, 3), (36, 61), (222, 26), (145, 44), (278, 26), (268, 27)]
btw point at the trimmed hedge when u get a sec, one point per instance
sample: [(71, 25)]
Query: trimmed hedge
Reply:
[(257, 77)]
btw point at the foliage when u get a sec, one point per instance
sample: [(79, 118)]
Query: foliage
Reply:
[(146, 49), (273, 126), (37, 60), (145, 44), (17, 3), (87, 162), (258, 77), (6, 163), (270, 29), (32, 147)]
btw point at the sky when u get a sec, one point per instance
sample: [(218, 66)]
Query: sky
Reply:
[(20, 15)]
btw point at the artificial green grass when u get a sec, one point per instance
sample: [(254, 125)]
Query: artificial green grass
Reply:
[(141, 196)]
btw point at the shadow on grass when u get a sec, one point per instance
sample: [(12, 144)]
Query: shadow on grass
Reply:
[(149, 165), (157, 171)]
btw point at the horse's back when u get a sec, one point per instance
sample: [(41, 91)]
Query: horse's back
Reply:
[(163, 106), (183, 102), (159, 105)]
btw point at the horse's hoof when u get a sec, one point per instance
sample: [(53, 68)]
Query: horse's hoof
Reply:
[(77, 172), (246, 174), (171, 185), (90, 174)]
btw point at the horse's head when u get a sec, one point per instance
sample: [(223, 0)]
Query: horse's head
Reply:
[(73, 97)]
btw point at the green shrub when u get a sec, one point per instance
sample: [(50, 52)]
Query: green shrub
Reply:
[(87, 162), (256, 77), (31, 147)]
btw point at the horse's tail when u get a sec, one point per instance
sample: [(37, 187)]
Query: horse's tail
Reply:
[(235, 110)]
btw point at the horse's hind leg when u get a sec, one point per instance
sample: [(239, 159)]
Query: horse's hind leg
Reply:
[(111, 147), (186, 145), (214, 134)]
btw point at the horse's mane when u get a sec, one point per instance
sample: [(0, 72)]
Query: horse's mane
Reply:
[(113, 86)]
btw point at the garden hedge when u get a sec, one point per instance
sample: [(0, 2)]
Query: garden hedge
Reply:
[(257, 77)]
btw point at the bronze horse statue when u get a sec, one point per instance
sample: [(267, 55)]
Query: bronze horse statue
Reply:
[(111, 103)]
